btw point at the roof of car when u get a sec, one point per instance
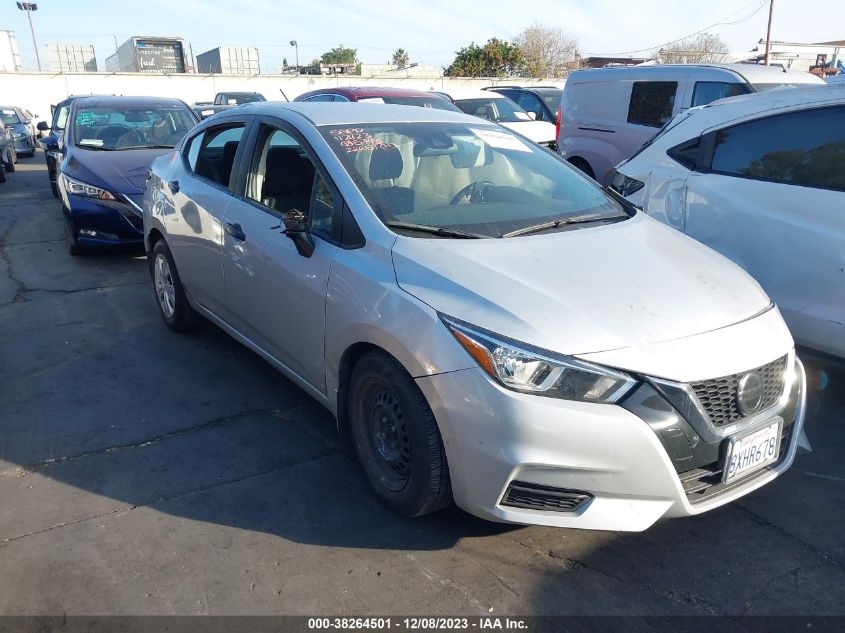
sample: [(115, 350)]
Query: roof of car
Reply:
[(756, 104), (333, 113), (358, 92), (752, 73), (125, 102), (469, 93)]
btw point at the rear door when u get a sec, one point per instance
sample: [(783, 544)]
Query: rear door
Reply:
[(773, 200), (276, 295), (200, 191)]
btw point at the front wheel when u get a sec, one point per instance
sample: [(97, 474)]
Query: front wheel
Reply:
[(170, 295), (13, 158), (73, 246), (2, 171), (396, 437)]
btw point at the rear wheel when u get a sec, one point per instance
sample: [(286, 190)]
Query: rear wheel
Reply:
[(396, 437), (13, 158), (2, 171), (54, 188), (170, 295)]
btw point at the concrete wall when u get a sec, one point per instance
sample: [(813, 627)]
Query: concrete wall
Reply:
[(37, 91)]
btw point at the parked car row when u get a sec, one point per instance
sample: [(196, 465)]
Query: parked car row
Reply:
[(487, 323), (17, 137)]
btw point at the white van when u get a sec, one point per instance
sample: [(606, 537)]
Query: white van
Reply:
[(608, 113)]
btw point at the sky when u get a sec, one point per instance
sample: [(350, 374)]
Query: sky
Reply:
[(430, 30)]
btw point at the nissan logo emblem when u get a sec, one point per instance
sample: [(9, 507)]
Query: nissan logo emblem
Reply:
[(749, 393)]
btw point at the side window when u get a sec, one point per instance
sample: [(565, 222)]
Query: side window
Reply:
[(60, 118), (341, 98), (322, 209), (802, 148), (211, 154), (706, 92), (282, 175), (652, 102), (530, 103), (320, 98)]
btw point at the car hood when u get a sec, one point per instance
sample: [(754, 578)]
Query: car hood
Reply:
[(537, 131), (122, 171), (633, 283)]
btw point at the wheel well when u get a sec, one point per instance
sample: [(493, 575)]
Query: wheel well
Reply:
[(347, 362), (155, 236), (583, 165)]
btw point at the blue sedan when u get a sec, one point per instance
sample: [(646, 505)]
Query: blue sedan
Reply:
[(108, 146)]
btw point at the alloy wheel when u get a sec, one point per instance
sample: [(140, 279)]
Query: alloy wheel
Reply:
[(165, 290)]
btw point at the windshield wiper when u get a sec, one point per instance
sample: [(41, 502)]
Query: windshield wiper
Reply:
[(99, 148), (553, 224), (434, 230), (148, 147)]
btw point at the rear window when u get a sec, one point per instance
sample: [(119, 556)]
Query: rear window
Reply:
[(652, 102)]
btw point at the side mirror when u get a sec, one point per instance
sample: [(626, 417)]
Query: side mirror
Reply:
[(532, 116), (296, 228), (42, 126)]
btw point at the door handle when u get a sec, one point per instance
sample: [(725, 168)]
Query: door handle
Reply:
[(235, 231), (174, 186)]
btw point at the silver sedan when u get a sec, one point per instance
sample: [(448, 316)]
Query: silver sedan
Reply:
[(486, 323), (20, 124)]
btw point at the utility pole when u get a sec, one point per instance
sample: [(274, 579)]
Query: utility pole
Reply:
[(769, 32), (29, 7)]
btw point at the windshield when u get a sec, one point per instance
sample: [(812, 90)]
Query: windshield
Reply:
[(474, 178), (552, 100), (9, 116), (496, 110), (438, 103), (136, 127)]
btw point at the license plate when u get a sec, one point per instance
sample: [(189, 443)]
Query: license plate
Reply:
[(752, 452)]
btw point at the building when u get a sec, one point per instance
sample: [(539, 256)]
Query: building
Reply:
[(390, 71), (71, 58), (797, 56), (142, 54), (10, 58), (601, 62), (228, 60)]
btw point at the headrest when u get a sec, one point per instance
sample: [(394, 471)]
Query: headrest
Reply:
[(285, 172), (386, 164), (229, 150)]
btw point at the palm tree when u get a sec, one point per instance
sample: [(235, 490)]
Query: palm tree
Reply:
[(400, 57)]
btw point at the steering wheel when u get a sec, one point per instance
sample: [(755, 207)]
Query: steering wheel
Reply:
[(475, 191), (130, 138), (111, 133)]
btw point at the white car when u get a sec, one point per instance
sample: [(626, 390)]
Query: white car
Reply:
[(497, 108), (607, 113), (761, 179)]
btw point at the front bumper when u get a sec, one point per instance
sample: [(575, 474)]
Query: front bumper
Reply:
[(24, 145), (112, 223), (494, 437)]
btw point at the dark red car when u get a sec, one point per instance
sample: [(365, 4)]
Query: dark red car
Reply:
[(396, 96)]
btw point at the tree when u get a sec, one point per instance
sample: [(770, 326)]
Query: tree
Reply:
[(547, 51), (704, 48), (401, 57), (285, 63), (497, 58), (340, 55)]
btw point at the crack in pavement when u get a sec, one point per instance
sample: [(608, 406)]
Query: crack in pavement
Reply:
[(749, 603), (693, 601), (23, 291), (20, 291), (208, 424), (446, 583), (165, 498)]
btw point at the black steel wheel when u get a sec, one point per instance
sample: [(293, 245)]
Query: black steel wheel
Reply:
[(396, 437)]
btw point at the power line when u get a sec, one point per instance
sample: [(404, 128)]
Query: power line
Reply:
[(723, 22)]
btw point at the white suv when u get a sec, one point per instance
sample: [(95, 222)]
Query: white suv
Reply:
[(761, 179)]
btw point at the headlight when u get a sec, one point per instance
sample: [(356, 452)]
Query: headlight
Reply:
[(522, 368), (624, 185), (83, 189)]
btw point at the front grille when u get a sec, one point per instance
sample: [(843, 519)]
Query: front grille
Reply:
[(718, 396), (538, 497), (702, 483)]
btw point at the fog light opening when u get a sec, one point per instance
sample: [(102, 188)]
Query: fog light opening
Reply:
[(88, 233)]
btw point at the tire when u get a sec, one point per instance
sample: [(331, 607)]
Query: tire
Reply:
[(396, 437), (170, 295), (73, 246), (13, 158), (54, 188), (2, 171), (14, 155)]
